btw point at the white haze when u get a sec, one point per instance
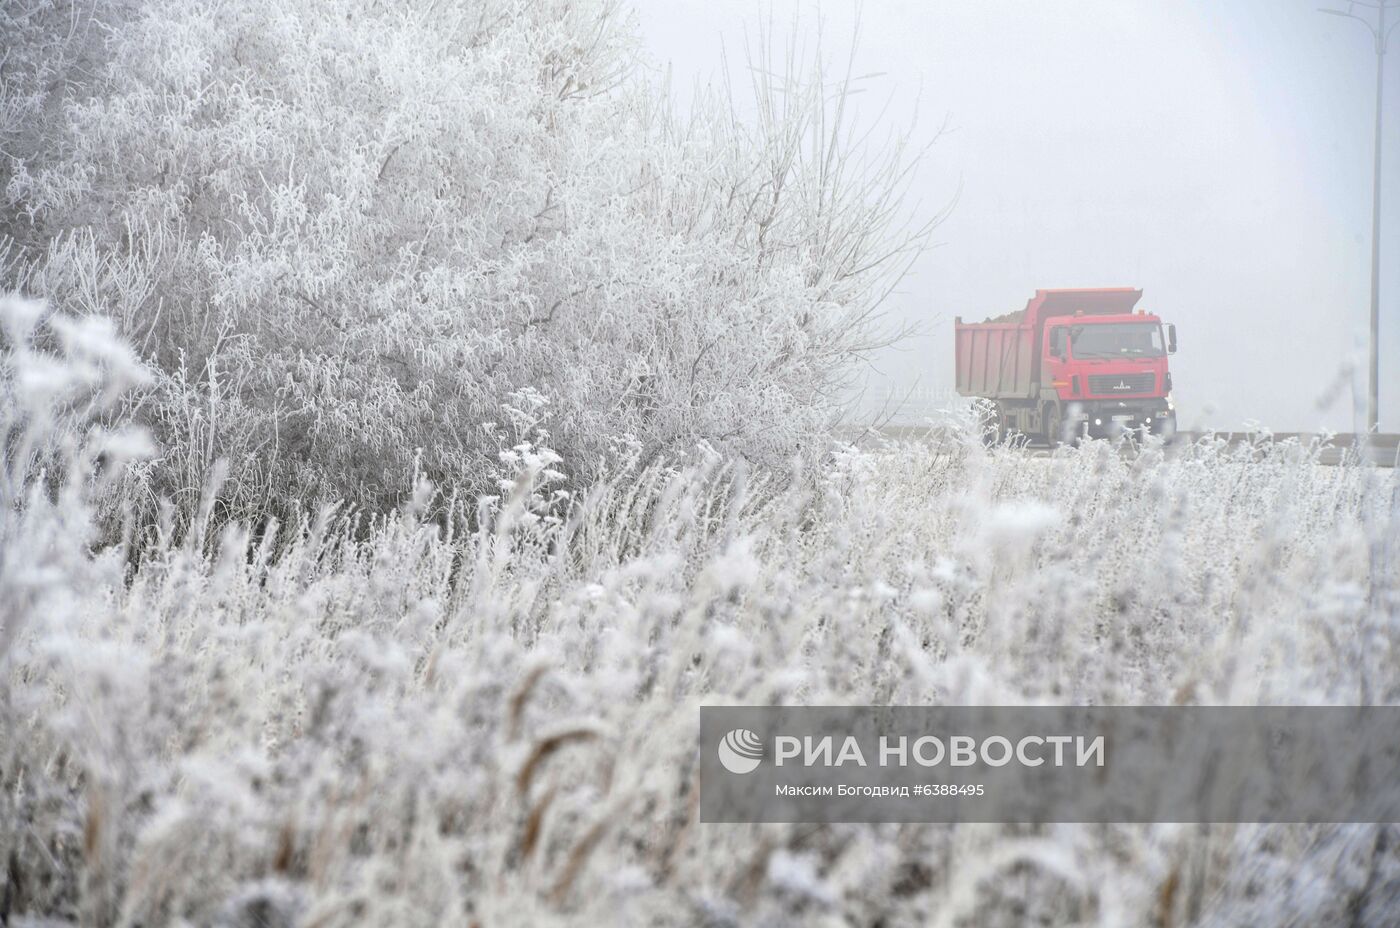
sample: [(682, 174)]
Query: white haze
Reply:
[(1217, 155)]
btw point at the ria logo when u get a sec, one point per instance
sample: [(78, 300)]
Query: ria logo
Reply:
[(740, 751)]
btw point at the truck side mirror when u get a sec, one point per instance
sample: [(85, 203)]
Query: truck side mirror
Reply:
[(1171, 338), (1057, 343)]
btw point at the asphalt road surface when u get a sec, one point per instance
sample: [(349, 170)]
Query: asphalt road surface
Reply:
[(1382, 450)]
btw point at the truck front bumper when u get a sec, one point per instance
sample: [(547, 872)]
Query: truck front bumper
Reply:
[(1110, 418)]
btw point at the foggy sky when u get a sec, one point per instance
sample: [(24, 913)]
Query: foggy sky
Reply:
[(1215, 154)]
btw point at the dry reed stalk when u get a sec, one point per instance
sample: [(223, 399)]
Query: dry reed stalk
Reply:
[(546, 747)]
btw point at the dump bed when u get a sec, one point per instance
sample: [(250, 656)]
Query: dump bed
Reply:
[(997, 360), (1000, 358)]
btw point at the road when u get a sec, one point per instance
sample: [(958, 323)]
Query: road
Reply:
[(1382, 450)]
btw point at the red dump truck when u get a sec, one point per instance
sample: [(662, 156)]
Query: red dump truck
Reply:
[(1072, 363)]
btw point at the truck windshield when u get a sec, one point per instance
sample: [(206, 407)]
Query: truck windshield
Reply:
[(1116, 340)]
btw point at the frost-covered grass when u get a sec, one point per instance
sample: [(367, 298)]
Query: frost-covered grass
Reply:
[(405, 721)]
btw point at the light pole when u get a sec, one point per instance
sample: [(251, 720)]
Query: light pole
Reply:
[(1381, 33)]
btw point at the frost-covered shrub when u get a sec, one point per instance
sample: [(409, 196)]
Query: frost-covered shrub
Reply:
[(345, 232), (336, 723)]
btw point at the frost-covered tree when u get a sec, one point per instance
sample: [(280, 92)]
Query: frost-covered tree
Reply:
[(346, 233)]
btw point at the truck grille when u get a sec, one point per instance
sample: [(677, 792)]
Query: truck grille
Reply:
[(1109, 384)]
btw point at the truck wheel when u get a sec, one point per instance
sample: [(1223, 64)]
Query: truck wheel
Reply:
[(1054, 425)]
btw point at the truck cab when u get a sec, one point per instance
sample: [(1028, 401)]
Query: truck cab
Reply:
[(1109, 372)]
